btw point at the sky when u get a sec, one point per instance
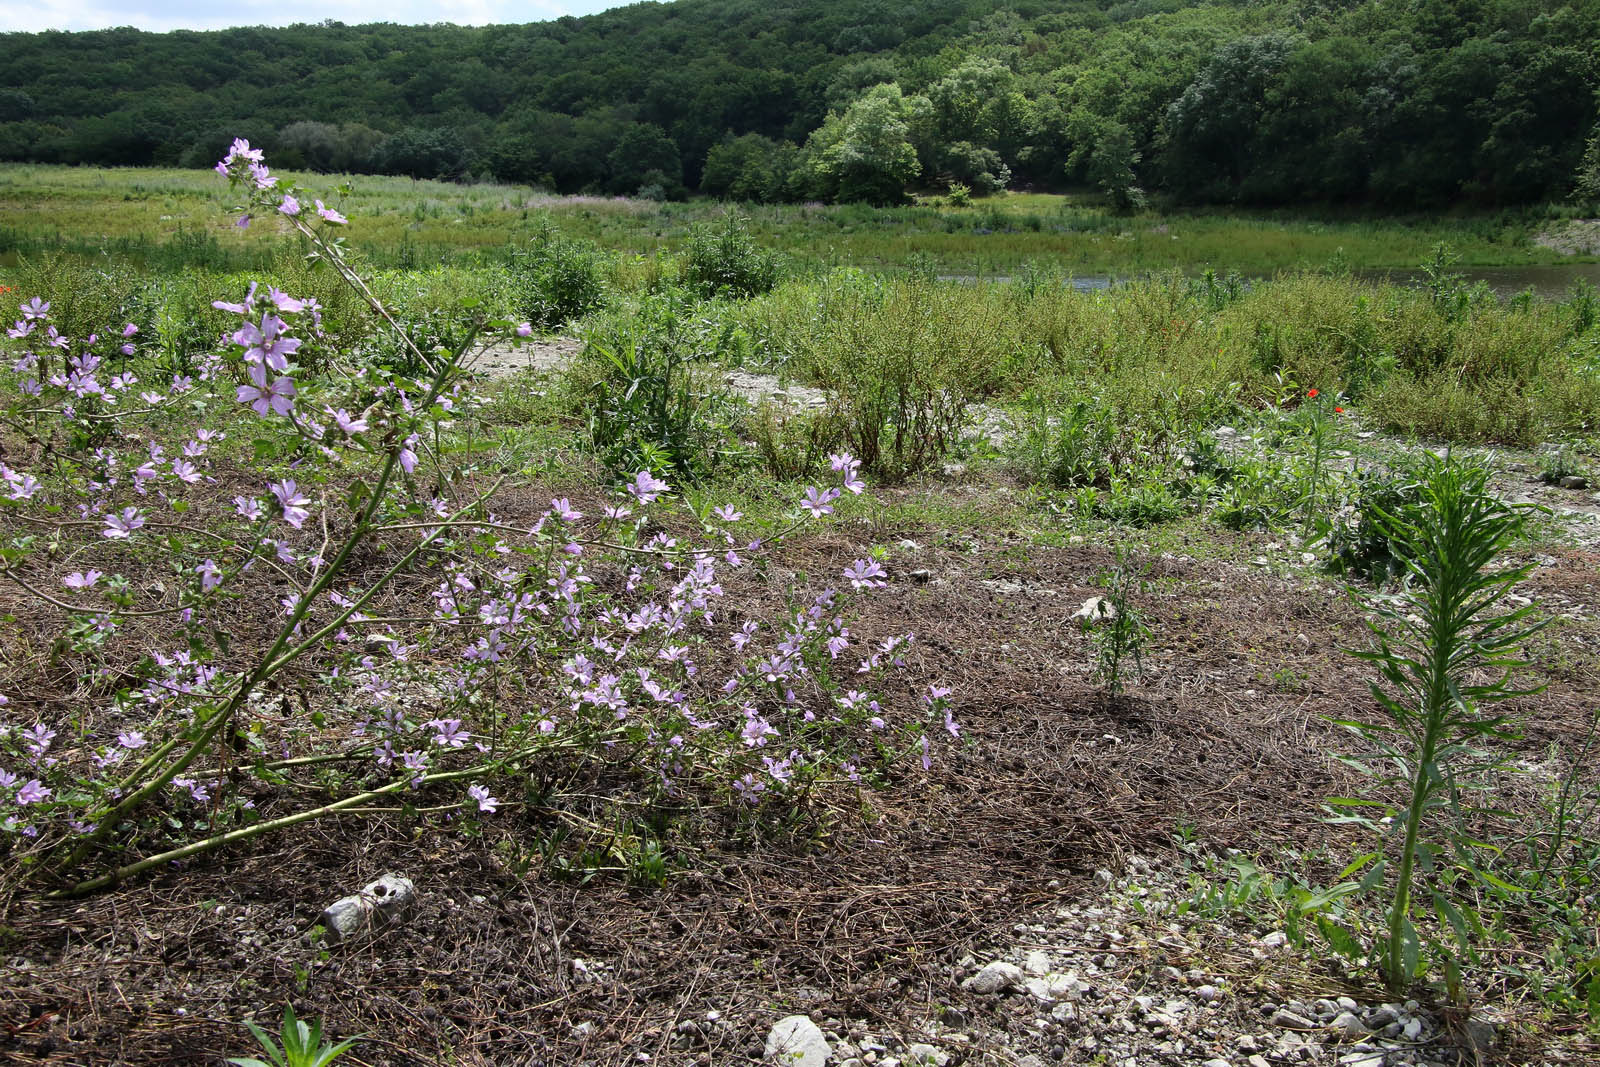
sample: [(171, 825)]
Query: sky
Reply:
[(159, 15)]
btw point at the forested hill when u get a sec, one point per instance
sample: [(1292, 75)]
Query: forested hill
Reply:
[(1398, 103)]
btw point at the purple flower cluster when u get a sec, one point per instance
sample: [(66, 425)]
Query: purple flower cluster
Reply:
[(596, 630)]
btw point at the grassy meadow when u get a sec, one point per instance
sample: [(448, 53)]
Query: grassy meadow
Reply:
[(174, 217)]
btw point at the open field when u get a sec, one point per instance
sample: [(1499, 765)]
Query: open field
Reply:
[(747, 635), (160, 214)]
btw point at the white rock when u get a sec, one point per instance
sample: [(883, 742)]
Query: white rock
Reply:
[(1349, 1026), (927, 1055), (795, 1041), (1037, 962), (1276, 939), (1216, 1063), (1041, 990), (1096, 609), (358, 916), (997, 977)]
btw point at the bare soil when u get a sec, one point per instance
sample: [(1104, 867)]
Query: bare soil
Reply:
[(860, 913)]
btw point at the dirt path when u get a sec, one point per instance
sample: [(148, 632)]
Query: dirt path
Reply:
[(552, 354)]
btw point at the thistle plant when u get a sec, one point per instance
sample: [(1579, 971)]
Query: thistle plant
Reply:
[(1445, 652)]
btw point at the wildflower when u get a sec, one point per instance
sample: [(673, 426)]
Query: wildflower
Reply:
[(350, 424), (38, 739), (449, 733), (524, 329), (285, 303), (33, 792), (851, 467), (756, 731), (742, 638), (34, 309), (132, 740), (82, 579), (749, 789), (645, 487), (1311, 394), (819, 502), (330, 215), (295, 512), (185, 471), (564, 510), (727, 514), (288, 206), (485, 801), (23, 486), (247, 508), (210, 575), (263, 397), (865, 574), (122, 526)]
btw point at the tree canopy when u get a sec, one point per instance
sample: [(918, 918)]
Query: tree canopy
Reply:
[(1410, 105)]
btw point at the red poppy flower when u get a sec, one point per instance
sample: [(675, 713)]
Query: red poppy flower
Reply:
[(1338, 411), (1311, 394)]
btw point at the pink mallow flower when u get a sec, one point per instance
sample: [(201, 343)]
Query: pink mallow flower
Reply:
[(486, 802), (292, 501), (119, 527), (277, 396)]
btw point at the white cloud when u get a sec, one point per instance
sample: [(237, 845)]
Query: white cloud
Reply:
[(162, 15)]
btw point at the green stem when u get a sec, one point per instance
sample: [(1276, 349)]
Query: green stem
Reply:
[(270, 661), (112, 877), (1395, 969)]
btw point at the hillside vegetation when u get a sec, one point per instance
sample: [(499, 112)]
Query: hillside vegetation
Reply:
[(1395, 105)]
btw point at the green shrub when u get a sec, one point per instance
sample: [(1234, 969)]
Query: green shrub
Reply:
[(1067, 443), (901, 359), (794, 444), (634, 382), (556, 279), (724, 260)]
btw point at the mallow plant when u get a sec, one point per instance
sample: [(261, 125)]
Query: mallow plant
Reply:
[(275, 586)]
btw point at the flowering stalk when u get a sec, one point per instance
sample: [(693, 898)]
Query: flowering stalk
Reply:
[(527, 654)]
